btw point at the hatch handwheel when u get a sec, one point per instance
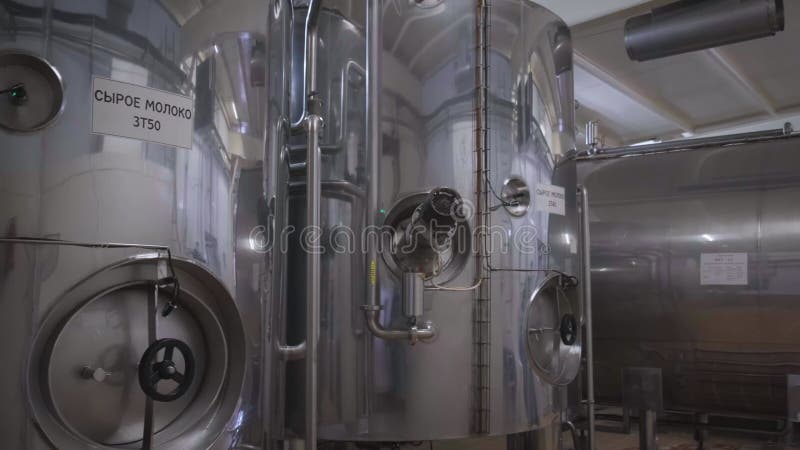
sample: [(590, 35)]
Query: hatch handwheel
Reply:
[(153, 370)]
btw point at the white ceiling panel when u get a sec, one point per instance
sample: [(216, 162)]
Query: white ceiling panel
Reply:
[(730, 86), (623, 116), (774, 63), (578, 11)]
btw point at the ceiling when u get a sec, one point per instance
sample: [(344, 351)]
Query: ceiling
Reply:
[(578, 11), (744, 86), (740, 87)]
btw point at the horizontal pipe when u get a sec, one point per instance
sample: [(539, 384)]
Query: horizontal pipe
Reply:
[(691, 25), (45, 241), (688, 144)]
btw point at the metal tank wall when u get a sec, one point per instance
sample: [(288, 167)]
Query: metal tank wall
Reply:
[(64, 182), (531, 119), (379, 390), (724, 346)]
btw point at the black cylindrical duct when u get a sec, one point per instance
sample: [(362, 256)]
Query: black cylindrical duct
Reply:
[(690, 25)]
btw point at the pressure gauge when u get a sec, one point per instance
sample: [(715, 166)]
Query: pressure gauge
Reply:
[(31, 92)]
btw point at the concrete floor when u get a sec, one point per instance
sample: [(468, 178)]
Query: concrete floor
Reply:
[(683, 439), (668, 439)]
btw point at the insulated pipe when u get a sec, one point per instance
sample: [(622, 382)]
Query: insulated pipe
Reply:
[(690, 25), (373, 308), (587, 301)]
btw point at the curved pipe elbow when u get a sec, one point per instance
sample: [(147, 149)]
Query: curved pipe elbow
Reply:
[(412, 334), (292, 352), (310, 61), (424, 334), (313, 13)]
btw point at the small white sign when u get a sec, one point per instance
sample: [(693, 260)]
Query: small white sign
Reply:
[(139, 112), (724, 269), (550, 199)]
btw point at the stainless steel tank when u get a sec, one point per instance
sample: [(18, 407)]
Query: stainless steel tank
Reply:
[(156, 160), (133, 138), (694, 270), (432, 103)]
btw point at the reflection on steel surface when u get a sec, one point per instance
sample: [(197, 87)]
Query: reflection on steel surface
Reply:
[(426, 94), (62, 182), (722, 349), (423, 100)]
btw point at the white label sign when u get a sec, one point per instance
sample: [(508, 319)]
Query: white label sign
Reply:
[(725, 269), (138, 112), (550, 199)]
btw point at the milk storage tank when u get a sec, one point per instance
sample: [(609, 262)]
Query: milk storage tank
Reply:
[(694, 270), (137, 123), (205, 203), (438, 114)]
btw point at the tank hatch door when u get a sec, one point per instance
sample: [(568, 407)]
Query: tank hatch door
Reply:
[(553, 332)]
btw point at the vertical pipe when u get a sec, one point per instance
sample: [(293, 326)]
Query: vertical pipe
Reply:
[(312, 122), (647, 429), (701, 432), (311, 59), (587, 299), (373, 139), (592, 130), (372, 308), (413, 294), (626, 420), (313, 206), (374, 49)]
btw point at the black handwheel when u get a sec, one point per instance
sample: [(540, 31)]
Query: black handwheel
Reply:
[(152, 370), (569, 329)]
